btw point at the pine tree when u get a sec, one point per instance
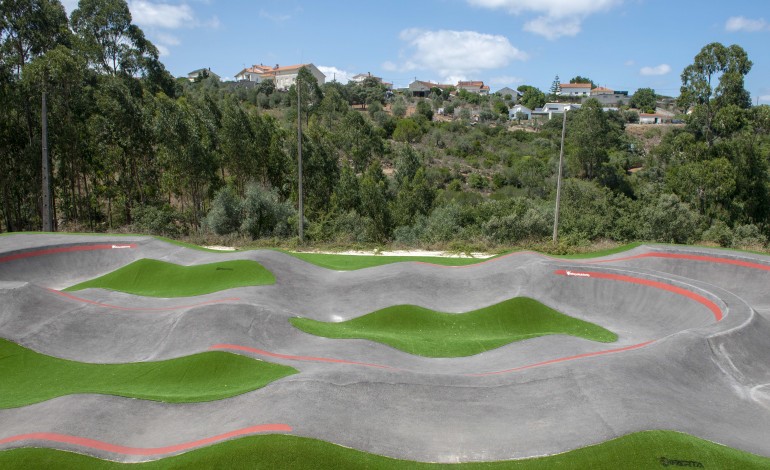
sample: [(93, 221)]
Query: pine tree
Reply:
[(556, 86)]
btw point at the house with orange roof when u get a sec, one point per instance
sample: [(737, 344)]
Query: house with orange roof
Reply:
[(283, 76), (252, 74), (477, 87), (575, 89), (600, 90)]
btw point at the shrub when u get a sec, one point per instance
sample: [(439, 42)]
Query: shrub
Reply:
[(155, 220), (224, 216)]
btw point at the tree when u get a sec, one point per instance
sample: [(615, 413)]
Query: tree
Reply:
[(590, 136), (556, 86), (424, 108), (407, 130), (644, 99), (728, 65), (29, 28), (108, 39), (532, 97)]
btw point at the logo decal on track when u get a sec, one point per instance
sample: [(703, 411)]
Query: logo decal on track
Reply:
[(120, 247), (572, 273)]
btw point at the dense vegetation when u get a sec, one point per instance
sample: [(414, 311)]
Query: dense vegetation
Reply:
[(134, 149)]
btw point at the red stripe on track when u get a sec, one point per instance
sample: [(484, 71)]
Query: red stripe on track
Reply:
[(714, 308), (703, 258), (118, 449), (261, 352), (564, 359), (140, 309), (65, 249)]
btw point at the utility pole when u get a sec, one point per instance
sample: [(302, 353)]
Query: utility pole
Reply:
[(558, 179), (299, 158), (47, 214)]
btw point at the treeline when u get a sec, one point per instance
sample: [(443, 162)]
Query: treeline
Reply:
[(132, 148)]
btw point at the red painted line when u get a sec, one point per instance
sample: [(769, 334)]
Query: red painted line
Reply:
[(118, 449), (140, 309), (262, 352), (564, 359), (714, 308), (703, 258), (65, 249)]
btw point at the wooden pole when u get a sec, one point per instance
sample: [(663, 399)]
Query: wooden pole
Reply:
[(558, 179), (47, 214), (299, 158)]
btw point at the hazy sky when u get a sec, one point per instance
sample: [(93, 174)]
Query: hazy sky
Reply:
[(621, 44)]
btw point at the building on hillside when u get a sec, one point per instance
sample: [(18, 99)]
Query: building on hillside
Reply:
[(600, 90), (359, 78), (519, 111), (575, 89), (422, 89), (252, 74), (616, 98), (648, 118), (550, 109), (477, 87), (284, 77), (503, 92), (201, 73)]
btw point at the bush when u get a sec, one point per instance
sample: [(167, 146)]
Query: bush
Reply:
[(155, 220), (748, 235), (718, 233), (264, 214), (225, 213)]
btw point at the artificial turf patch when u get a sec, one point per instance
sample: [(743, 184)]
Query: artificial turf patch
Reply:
[(642, 450), (425, 332), (30, 377), (353, 262), (153, 278)]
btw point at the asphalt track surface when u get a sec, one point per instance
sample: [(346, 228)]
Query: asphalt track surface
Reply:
[(693, 353)]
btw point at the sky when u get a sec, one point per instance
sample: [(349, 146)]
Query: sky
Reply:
[(620, 44)]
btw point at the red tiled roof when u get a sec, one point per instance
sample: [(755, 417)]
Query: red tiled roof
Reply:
[(575, 85), (601, 88)]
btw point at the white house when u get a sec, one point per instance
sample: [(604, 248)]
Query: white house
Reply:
[(359, 78), (513, 113), (284, 77), (575, 89), (554, 108), (646, 118), (201, 73), (477, 87), (252, 74)]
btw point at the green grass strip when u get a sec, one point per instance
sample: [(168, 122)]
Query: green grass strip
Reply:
[(425, 332), (641, 450), (30, 377), (352, 262), (153, 278)]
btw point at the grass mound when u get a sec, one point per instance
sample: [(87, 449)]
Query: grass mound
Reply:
[(353, 262), (640, 450), (153, 278), (30, 377), (425, 332)]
